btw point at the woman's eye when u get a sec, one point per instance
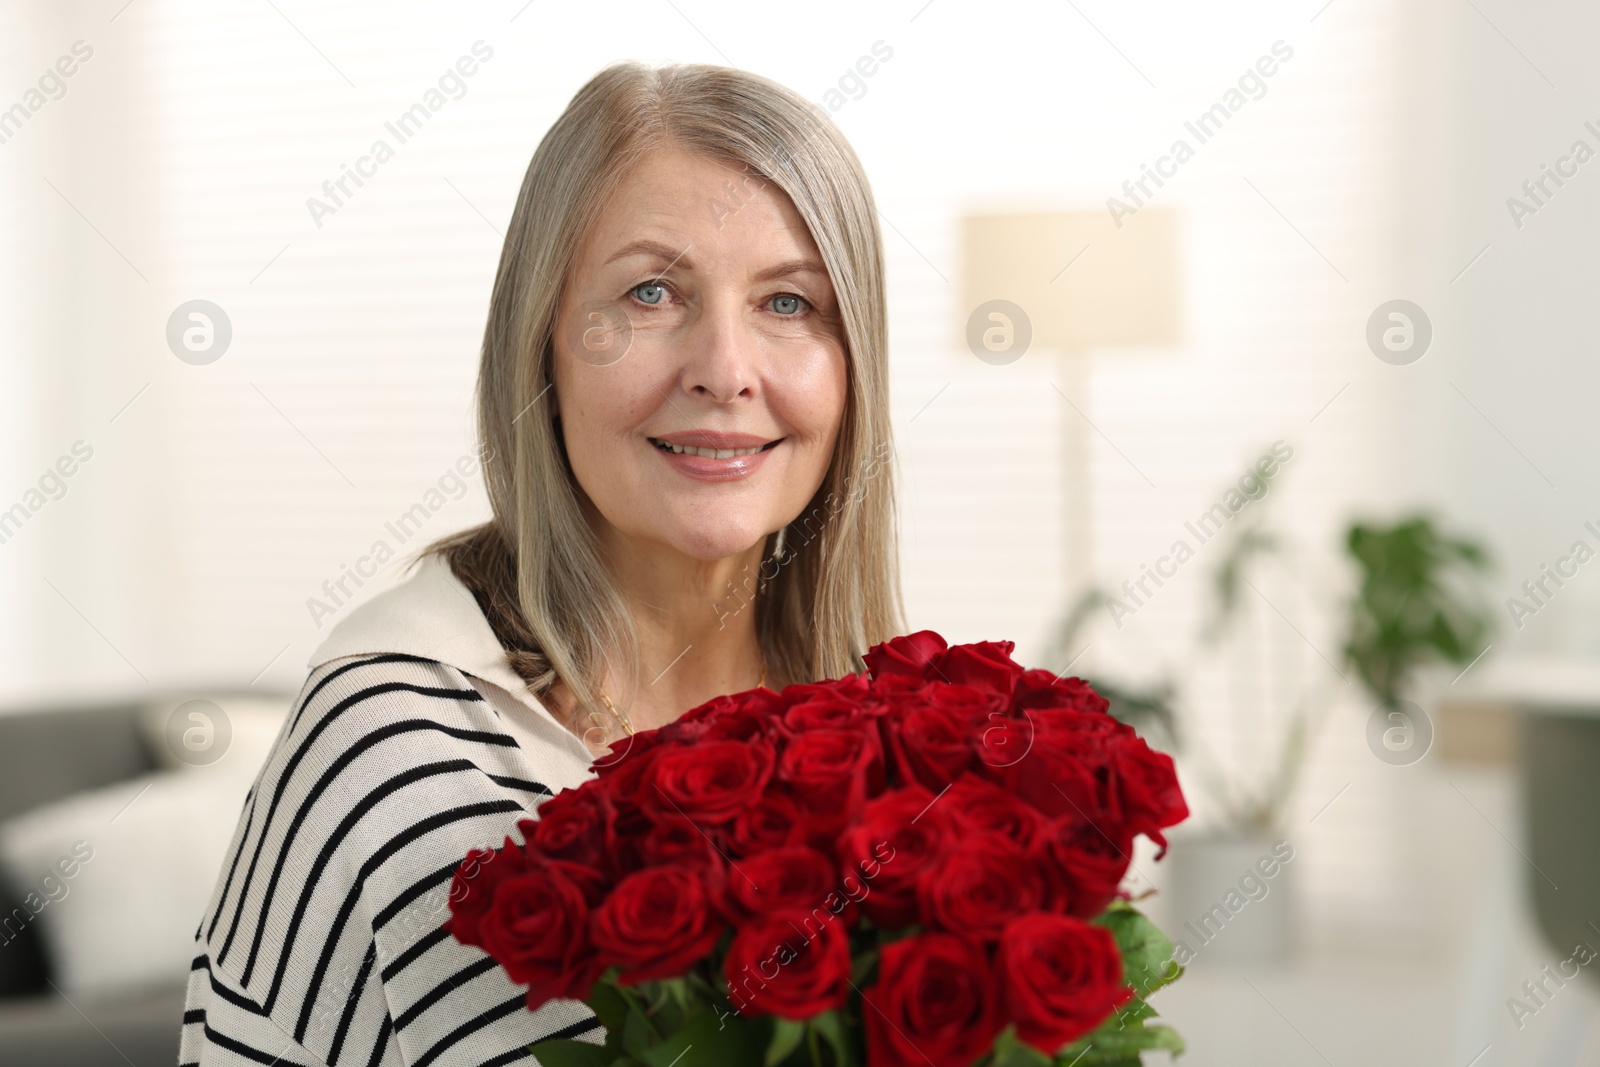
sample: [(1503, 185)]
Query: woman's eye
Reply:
[(787, 304), (650, 293)]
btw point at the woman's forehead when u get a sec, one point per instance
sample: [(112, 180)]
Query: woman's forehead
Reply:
[(694, 211), (669, 172)]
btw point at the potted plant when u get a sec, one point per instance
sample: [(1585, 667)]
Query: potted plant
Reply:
[(1414, 606)]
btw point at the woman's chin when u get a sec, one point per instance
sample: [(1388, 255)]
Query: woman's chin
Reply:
[(709, 543)]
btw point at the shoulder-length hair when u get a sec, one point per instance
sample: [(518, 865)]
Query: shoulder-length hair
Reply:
[(828, 583)]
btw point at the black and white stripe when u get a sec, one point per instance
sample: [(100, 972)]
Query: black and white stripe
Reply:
[(323, 944)]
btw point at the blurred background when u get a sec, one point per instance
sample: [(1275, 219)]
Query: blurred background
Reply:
[(1238, 358)]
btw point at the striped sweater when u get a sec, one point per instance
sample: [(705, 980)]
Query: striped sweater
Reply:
[(411, 743)]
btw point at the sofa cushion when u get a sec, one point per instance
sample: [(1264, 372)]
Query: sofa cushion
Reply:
[(49, 754), (23, 969), (120, 876)]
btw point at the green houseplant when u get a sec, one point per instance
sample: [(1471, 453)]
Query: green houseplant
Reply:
[(1415, 604)]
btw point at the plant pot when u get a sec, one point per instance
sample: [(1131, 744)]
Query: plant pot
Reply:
[(1230, 899)]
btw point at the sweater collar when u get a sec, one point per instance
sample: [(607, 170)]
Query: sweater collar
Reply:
[(430, 614)]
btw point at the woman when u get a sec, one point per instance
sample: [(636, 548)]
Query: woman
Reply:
[(683, 404)]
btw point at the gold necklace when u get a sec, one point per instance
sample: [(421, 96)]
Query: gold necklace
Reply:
[(622, 716)]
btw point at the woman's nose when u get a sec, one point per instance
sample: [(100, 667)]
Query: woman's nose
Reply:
[(722, 358)]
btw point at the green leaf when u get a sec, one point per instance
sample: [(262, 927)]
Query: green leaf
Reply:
[(672, 1006), (699, 986), (730, 1039), (1136, 1010), (609, 1005), (655, 993), (1012, 1051), (679, 988), (565, 1052), (1113, 1048), (1147, 959), (637, 1033), (831, 1026), (786, 1037)]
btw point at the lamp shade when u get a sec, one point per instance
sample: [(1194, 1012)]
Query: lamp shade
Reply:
[(1121, 287)]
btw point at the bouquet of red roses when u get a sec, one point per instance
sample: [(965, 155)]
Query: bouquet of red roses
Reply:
[(919, 865)]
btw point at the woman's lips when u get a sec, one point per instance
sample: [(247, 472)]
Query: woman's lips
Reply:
[(713, 457)]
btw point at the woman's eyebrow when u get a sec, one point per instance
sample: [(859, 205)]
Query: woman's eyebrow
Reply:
[(653, 248), (680, 257), (791, 266)]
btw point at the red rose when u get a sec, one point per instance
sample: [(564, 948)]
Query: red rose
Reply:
[(1086, 865), (733, 717), (625, 842), (1003, 743), (898, 835), (740, 724), (933, 742), (1061, 978), (782, 965), (833, 769), (571, 826), (794, 879), (891, 699), (472, 888), (709, 782), (693, 722), (977, 703), (1146, 786), (658, 922), (771, 822), (894, 688), (1052, 765), (936, 1001), (831, 709), (985, 807), (628, 824), (978, 884), (682, 730), (1043, 689), (630, 749), (850, 689), (675, 839), (985, 665), (537, 930), (1101, 731), (627, 776), (910, 655)]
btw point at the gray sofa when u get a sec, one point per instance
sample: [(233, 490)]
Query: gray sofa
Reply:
[(45, 755), (1559, 749)]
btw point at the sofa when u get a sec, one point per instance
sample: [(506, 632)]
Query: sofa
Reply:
[(80, 984)]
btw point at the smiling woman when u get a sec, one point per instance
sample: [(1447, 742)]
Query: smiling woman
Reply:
[(718, 425), (696, 381), (673, 396)]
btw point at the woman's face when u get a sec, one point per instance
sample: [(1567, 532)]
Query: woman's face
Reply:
[(699, 368)]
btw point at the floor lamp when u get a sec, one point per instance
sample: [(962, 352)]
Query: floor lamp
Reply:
[(1062, 284)]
